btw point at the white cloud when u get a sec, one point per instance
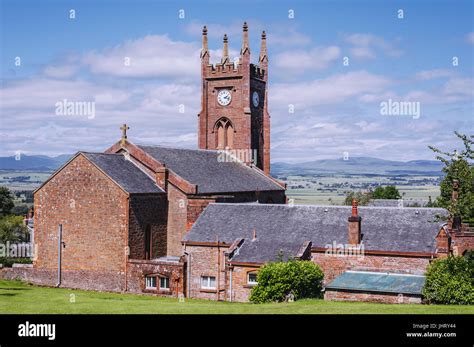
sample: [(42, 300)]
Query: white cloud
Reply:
[(470, 38), (333, 89), (317, 58), (433, 74), (366, 46), (153, 56)]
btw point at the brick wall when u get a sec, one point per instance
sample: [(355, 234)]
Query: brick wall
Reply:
[(93, 212), (138, 269), (152, 210), (387, 298), (333, 266), (240, 288), (204, 262), (177, 220), (111, 281)]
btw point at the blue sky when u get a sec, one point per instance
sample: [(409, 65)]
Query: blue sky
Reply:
[(336, 106)]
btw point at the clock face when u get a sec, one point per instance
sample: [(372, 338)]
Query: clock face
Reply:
[(224, 97), (255, 99)]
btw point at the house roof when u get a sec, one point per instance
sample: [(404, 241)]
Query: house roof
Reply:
[(258, 251), (383, 228), (378, 282), (205, 169), (126, 174)]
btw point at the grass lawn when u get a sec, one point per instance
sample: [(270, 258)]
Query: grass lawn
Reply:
[(18, 297)]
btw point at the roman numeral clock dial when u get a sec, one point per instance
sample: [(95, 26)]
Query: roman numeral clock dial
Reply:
[(224, 97)]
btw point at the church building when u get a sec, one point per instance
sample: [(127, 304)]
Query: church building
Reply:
[(200, 222)]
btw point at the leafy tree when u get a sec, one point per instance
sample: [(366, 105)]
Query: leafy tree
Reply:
[(6, 201), (388, 192), (12, 229), (458, 166), (450, 281), (362, 198), (276, 280), (19, 210)]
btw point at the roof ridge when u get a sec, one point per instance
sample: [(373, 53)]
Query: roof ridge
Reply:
[(330, 206)]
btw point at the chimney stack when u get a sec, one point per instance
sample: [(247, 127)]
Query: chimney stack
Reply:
[(254, 234), (354, 225)]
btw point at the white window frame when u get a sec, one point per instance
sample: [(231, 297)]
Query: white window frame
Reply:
[(167, 279), (248, 278), (208, 280), (150, 278)]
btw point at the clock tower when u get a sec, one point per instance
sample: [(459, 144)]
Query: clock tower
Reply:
[(234, 104)]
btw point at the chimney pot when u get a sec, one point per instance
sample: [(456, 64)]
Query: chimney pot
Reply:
[(354, 232), (355, 212)]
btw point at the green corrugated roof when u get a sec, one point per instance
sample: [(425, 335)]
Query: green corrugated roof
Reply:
[(378, 282)]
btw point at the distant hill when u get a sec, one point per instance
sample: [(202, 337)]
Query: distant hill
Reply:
[(354, 166), (359, 165), (33, 162)]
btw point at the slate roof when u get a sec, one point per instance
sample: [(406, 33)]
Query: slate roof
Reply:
[(386, 202), (126, 174), (378, 282), (258, 251), (202, 168), (383, 228)]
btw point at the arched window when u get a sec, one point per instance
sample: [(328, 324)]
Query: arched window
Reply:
[(225, 133)]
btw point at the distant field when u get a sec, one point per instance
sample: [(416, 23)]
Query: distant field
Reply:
[(17, 297), (327, 190), (22, 180), (317, 189)]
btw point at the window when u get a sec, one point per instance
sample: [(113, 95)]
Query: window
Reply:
[(164, 283), (150, 282), (148, 241), (225, 133), (208, 282), (252, 278)]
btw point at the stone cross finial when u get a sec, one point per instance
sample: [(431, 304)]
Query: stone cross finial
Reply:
[(124, 129)]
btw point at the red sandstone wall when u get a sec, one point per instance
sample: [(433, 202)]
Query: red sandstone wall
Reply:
[(333, 266), (144, 210), (240, 288), (93, 212), (204, 263), (138, 269), (371, 297), (177, 220)]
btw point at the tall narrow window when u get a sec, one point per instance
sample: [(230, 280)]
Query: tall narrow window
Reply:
[(229, 135), (148, 242), (224, 134), (220, 137)]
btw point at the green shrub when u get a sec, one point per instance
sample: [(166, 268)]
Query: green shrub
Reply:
[(450, 281), (276, 280), (8, 262)]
